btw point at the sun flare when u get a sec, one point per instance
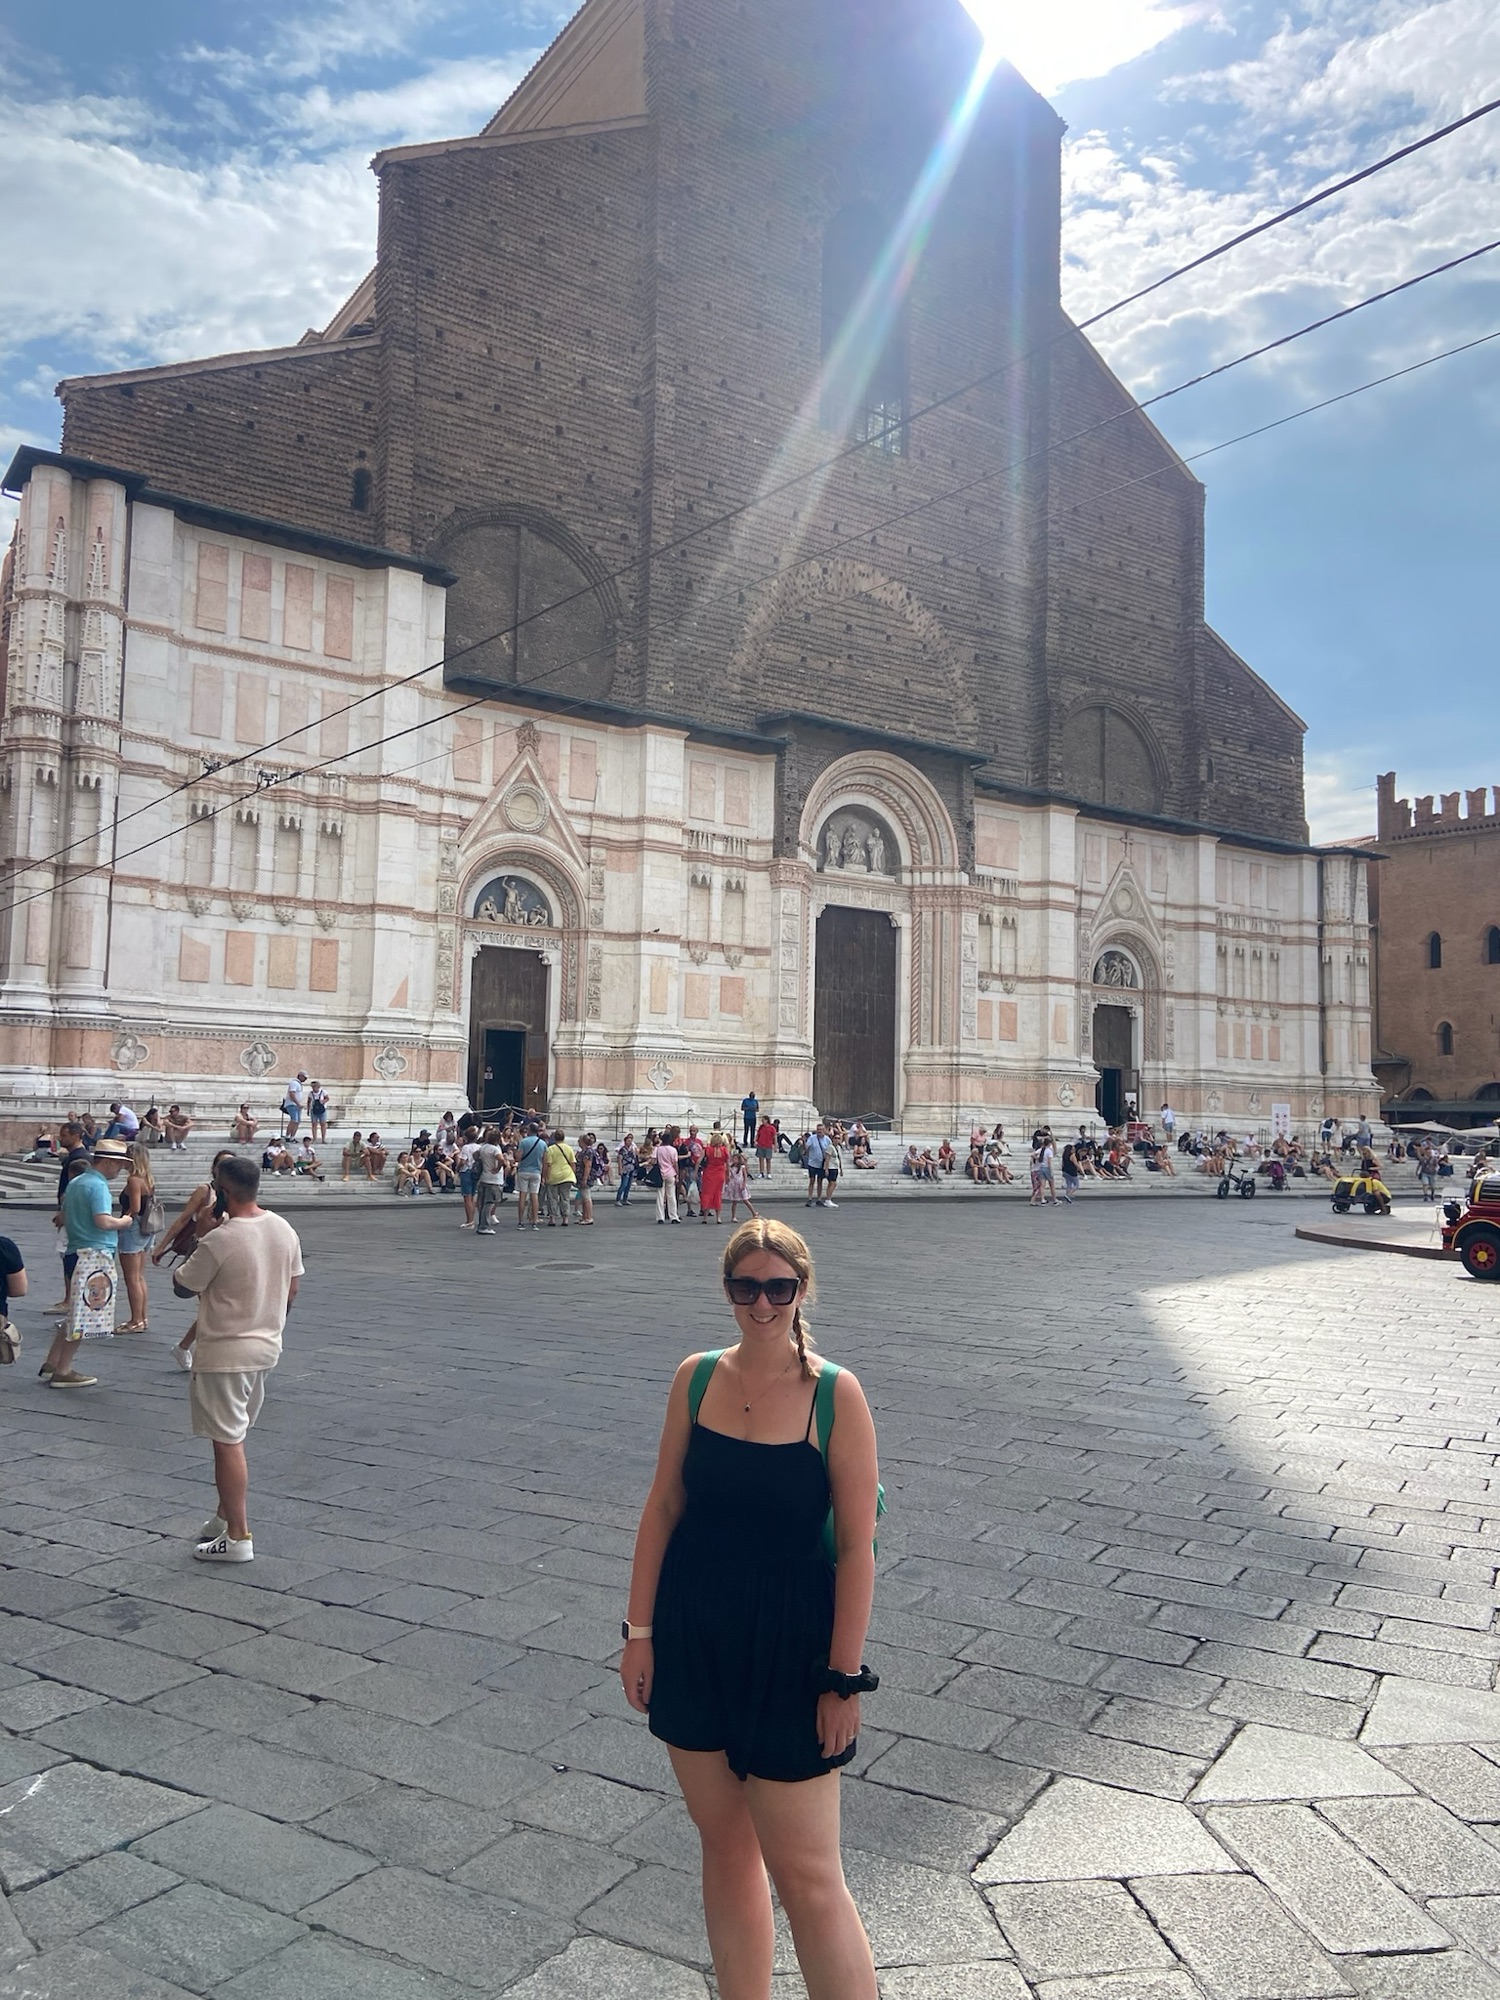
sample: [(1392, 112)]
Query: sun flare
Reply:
[(1067, 40)]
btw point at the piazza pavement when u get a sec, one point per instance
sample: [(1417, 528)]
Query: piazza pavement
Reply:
[(1184, 1617)]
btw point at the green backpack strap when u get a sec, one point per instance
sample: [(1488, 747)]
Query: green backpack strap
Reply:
[(823, 1397), (698, 1382), (823, 1403)]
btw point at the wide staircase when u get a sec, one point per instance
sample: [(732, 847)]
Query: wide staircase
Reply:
[(177, 1173)]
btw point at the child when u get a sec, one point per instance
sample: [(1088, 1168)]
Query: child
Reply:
[(737, 1185)]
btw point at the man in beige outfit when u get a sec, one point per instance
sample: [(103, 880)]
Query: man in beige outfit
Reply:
[(244, 1276)]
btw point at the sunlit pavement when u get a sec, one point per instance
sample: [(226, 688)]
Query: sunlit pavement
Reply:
[(1184, 1619)]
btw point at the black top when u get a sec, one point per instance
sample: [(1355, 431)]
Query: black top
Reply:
[(11, 1261), (744, 1608)]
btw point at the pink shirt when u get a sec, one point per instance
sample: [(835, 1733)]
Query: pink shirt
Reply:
[(666, 1159)]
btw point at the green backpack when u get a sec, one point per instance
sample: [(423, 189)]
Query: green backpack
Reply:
[(822, 1410)]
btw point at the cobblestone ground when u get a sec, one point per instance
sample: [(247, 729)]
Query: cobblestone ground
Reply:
[(1185, 1617)]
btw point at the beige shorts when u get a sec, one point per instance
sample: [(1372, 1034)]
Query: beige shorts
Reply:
[(225, 1405)]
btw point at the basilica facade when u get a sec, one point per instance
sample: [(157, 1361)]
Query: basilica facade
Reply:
[(699, 617)]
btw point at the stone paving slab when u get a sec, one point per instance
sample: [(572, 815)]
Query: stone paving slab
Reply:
[(1237, 1940), (1186, 1612)]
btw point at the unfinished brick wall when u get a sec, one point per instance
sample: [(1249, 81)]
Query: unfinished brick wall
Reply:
[(605, 337), (277, 438)]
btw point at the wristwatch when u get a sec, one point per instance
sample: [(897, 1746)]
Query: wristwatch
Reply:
[(629, 1631), (844, 1685)]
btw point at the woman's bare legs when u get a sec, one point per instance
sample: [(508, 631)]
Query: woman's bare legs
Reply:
[(798, 1830), (133, 1269), (736, 1893)]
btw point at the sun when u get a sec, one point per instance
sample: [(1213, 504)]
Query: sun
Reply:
[(1068, 40)]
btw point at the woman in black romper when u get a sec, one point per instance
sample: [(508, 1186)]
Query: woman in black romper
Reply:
[(742, 1638)]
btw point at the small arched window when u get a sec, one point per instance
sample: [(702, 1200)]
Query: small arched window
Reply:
[(1492, 945), (864, 387), (1445, 1038), (1434, 951), (362, 489)]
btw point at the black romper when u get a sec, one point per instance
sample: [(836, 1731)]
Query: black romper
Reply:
[(743, 1618)]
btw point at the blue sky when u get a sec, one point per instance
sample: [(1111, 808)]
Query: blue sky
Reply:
[(183, 179)]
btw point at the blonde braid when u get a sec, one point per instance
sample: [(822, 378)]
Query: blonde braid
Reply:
[(799, 1334)]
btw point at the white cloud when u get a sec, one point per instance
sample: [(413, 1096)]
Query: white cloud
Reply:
[(1303, 111), (1340, 793), (347, 31), (449, 98), (145, 258)]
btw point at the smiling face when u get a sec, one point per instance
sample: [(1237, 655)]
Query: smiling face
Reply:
[(763, 1322)]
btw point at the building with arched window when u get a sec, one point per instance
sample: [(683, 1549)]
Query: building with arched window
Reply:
[(700, 615), (1435, 917)]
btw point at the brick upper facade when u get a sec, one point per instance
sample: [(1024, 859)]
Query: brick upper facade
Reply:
[(1435, 915), (599, 324)]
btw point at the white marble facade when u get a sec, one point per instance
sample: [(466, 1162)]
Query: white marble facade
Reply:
[(218, 879)]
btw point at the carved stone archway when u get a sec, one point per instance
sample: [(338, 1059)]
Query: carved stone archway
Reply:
[(1142, 995), (526, 862)]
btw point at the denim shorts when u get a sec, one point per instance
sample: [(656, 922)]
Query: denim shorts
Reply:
[(468, 1180)]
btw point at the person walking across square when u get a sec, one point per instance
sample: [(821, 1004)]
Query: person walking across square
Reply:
[(559, 1178), (814, 1152), (491, 1183), (92, 1230), (244, 1275), (531, 1156), (666, 1164)]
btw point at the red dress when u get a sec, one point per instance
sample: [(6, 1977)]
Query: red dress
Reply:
[(711, 1178)]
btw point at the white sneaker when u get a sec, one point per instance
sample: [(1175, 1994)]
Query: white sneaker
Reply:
[(225, 1549), (183, 1356), (212, 1528), (828, 1204)]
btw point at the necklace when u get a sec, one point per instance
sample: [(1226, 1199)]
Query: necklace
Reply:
[(771, 1384)]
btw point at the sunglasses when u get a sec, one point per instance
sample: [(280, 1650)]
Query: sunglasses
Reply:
[(777, 1291)]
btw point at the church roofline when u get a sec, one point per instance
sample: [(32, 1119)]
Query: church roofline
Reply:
[(859, 733), (223, 520), (256, 357), (1179, 463), (480, 141), (589, 708), (1264, 685), (995, 787)]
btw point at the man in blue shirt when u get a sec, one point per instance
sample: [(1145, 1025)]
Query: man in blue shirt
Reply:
[(750, 1111), (92, 1226), (814, 1152)]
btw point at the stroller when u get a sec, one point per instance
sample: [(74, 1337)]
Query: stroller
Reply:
[(1275, 1172)]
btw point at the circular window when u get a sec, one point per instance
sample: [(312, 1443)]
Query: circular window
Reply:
[(524, 808)]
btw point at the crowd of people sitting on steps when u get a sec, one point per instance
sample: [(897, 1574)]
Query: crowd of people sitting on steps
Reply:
[(691, 1172)]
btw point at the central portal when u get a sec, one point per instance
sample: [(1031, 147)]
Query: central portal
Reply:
[(854, 1015), (508, 1031), (1114, 1052)]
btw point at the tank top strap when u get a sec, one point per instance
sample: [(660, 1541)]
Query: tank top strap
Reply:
[(812, 1411)]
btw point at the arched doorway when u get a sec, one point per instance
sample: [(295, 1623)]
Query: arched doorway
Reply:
[(855, 967), (854, 1014), (1113, 1038), (508, 1045), (509, 999)]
